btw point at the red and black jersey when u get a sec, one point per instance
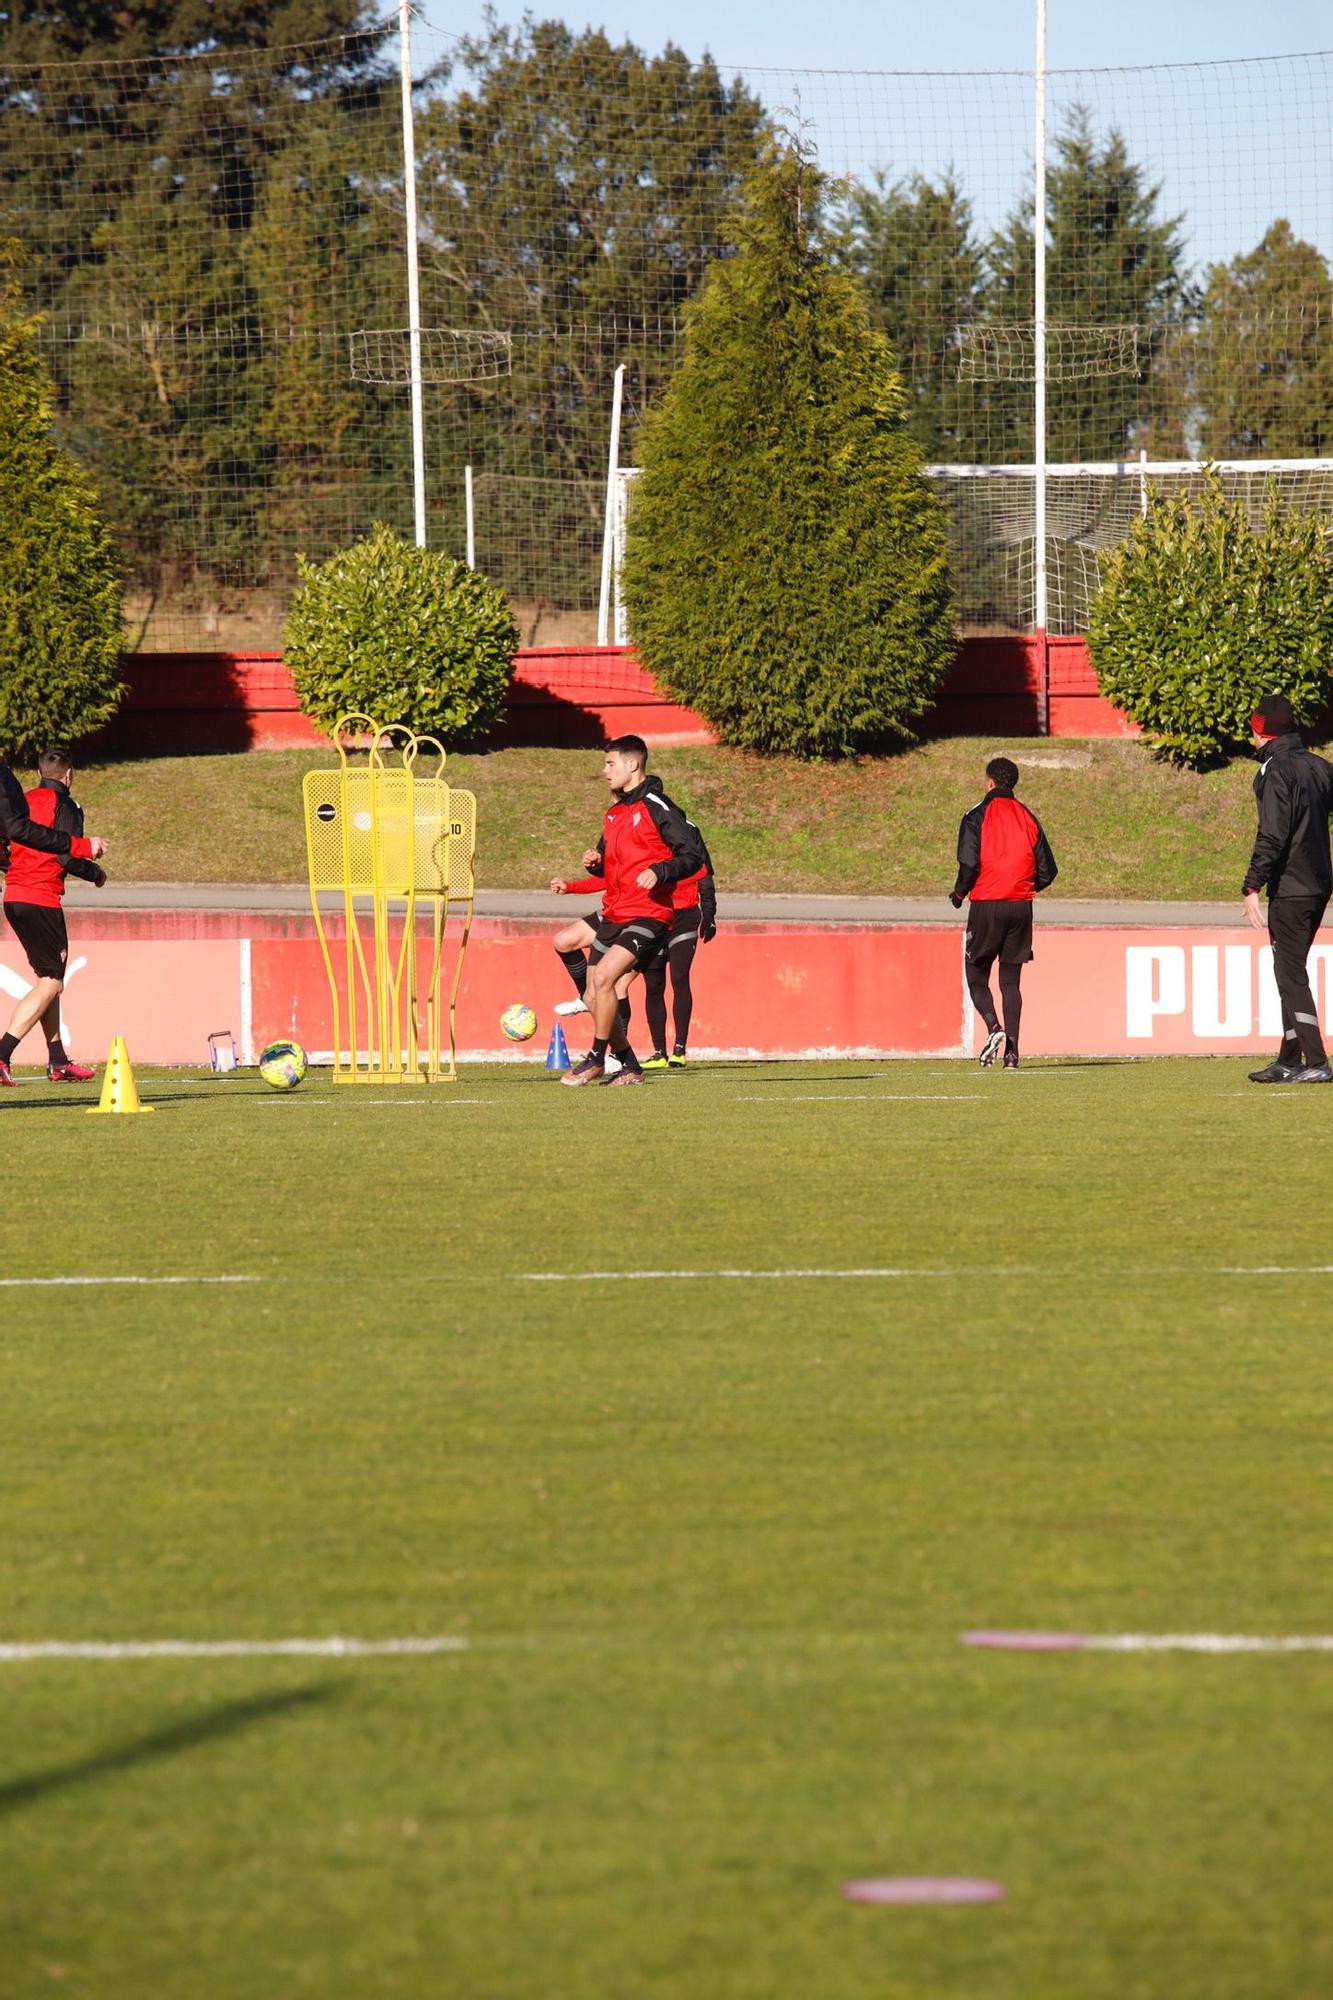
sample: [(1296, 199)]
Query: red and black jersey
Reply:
[(1003, 855), (645, 829), (17, 823), (35, 876)]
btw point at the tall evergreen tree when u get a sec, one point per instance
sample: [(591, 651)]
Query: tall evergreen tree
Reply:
[(1262, 353), (914, 249), (1112, 260), (573, 192), (59, 588), (787, 572)]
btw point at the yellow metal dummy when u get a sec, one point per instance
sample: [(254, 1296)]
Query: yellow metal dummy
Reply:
[(397, 844)]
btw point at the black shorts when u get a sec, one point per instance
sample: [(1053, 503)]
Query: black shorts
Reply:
[(998, 930), (681, 935), (644, 936), (43, 936)]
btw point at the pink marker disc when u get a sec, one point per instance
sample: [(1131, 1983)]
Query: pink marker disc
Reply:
[(923, 1889), (1027, 1642)]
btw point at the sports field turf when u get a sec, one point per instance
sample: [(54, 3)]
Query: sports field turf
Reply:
[(710, 1540)]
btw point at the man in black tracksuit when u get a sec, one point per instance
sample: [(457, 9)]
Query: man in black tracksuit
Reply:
[(1294, 791)]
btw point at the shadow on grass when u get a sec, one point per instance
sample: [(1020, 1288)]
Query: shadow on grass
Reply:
[(88, 1103), (210, 1726)]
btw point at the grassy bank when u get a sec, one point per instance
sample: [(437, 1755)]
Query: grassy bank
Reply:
[(1121, 824)]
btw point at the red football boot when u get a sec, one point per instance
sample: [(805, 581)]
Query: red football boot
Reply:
[(7, 1082), (68, 1072)]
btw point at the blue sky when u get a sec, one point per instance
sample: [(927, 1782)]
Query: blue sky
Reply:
[(1232, 147), (964, 34)]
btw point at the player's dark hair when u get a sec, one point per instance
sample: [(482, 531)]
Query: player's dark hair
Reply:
[(630, 746), (57, 758), (1005, 773)]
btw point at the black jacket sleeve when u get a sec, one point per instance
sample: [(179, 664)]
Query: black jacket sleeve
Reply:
[(1276, 813), (969, 850), (16, 825), (1044, 859), (683, 838), (707, 897)]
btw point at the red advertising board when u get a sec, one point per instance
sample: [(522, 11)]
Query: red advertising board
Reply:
[(166, 980)]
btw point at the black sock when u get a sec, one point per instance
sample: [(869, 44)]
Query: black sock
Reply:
[(622, 1013), (55, 1052), (8, 1044), (679, 1049), (628, 1059), (1011, 999), (599, 1048), (576, 965)]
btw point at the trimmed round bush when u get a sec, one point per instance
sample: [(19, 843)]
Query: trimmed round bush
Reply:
[(60, 594), (1202, 611), (786, 568), (402, 634)]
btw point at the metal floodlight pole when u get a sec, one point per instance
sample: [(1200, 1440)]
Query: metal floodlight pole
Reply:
[(1039, 374), (609, 527), (468, 508), (413, 279)]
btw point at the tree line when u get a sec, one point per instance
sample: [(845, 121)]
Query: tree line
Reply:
[(209, 198)]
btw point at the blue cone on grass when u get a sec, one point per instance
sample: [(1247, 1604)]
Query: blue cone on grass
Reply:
[(557, 1055)]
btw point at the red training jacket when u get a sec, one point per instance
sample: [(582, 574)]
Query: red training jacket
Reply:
[(39, 878), (644, 829), (1003, 855)]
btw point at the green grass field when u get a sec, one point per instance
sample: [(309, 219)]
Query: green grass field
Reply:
[(1121, 822), (710, 1541)]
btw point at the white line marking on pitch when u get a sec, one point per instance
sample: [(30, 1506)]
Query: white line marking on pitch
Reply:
[(857, 1097), (1143, 1273), (228, 1278), (223, 1649), (1149, 1642), (402, 1103)]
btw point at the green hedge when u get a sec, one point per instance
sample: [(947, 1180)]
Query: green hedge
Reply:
[(1202, 611), (786, 569), (403, 635)]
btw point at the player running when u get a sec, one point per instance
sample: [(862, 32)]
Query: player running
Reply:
[(693, 923), (1004, 859), (647, 846), (34, 889)]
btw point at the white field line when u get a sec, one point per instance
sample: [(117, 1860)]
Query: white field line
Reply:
[(857, 1097), (1150, 1642), (896, 1271), (1210, 1642), (342, 1103), (228, 1278), (17, 1652)]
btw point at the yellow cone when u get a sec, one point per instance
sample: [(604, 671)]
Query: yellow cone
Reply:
[(119, 1090)]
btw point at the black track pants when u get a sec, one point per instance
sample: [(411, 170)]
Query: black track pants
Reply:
[(1292, 924)]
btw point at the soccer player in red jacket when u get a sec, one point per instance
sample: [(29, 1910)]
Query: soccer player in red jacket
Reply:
[(1004, 859), (34, 888), (647, 846)]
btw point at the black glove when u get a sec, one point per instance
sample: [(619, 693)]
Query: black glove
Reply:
[(99, 878), (955, 899), (707, 930)]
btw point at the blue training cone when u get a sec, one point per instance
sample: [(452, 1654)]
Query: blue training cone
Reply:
[(557, 1055)]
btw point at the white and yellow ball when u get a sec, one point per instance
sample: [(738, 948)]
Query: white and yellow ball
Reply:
[(518, 1023), (283, 1065)]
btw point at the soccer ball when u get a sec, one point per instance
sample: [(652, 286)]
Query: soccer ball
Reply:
[(518, 1023), (282, 1065)]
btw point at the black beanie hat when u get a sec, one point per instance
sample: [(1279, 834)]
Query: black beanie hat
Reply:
[(1273, 716)]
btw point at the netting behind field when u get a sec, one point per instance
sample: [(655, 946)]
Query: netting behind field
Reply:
[(219, 241)]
